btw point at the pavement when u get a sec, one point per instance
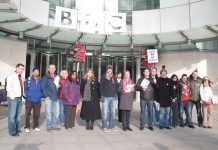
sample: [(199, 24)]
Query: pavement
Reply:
[(177, 138)]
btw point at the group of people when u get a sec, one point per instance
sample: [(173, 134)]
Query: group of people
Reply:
[(168, 97)]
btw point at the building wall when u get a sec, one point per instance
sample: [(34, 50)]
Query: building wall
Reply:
[(180, 62), (11, 53)]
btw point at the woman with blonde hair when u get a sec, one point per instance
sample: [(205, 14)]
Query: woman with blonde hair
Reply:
[(207, 102), (89, 89), (63, 77)]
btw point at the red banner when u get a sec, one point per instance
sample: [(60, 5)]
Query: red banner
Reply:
[(79, 52), (144, 60)]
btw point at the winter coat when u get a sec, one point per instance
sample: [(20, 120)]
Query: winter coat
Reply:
[(163, 92), (94, 86), (195, 89), (148, 94), (49, 88), (126, 99), (71, 91), (175, 90), (33, 89), (108, 88)]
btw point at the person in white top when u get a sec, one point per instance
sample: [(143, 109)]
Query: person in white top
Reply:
[(207, 103), (15, 91)]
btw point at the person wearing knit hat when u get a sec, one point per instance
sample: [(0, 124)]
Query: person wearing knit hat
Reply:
[(108, 92)]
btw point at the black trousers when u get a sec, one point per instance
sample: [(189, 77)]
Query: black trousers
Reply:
[(125, 118), (198, 108), (119, 111), (70, 116), (36, 114)]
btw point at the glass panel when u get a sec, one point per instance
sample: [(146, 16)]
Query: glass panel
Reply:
[(125, 4), (28, 61), (43, 69)]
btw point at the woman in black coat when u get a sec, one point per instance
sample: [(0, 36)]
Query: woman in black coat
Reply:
[(89, 89), (175, 91)]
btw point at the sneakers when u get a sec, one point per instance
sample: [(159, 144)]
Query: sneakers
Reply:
[(114, 130), (70, 130), (37, 129), (105, 130), (28, 130), (74, 128), (49, 129)]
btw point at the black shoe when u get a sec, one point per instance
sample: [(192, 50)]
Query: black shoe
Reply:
[(49, 129), (129, 129), (19, 131), (168, 128), (57, 128), (15, 134), (91, 127), (141, 128), (161, 127), (204, 126), (182, 125), (191, 126), (200, 125), (124, 129), (151, 128), (210, 127)]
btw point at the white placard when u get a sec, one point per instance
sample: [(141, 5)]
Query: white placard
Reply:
[(152, 55)]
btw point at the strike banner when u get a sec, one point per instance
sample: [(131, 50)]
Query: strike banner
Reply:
[(152, 55)]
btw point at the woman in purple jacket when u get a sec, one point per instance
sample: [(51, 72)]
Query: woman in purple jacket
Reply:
[(71, 91)]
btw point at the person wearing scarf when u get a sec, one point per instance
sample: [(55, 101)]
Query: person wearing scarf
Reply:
[(89, 90), (108, 92), (185, 103), (126, 100)]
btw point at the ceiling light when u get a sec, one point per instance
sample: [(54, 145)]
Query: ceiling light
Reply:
[(48, 40), (21, 35)]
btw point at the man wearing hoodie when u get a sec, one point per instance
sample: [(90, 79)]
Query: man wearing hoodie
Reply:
[(108, 91)]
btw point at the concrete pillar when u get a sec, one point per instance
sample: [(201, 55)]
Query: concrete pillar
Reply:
[(99, 69), (116, 64), (124, 64), (32, 61), (47, 62), (138, 75)]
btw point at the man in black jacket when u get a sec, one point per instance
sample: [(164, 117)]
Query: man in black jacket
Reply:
[(163, 97), (108, 92), (146, 87)]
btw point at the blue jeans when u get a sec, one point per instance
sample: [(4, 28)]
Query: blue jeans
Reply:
[(185, 105), (14, 113), (62, 112), (156, 112), (164, 116), (52, 109), (109, 105), (149, 104)]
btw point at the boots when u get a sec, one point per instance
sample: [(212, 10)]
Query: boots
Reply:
[(87, 125), (92, 125)]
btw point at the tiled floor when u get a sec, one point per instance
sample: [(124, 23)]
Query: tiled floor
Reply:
[(178, 138)]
